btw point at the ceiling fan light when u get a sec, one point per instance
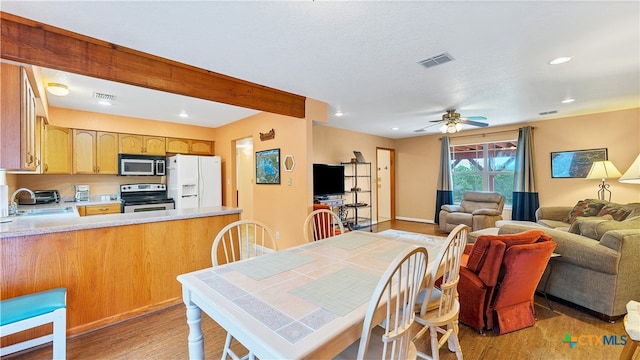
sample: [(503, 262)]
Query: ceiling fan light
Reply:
[(58, 89), (459, 127), (443, 128)]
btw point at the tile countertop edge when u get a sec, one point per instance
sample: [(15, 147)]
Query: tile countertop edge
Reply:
[(46, 224)]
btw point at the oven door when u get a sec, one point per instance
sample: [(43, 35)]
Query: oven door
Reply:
[(148, 207)]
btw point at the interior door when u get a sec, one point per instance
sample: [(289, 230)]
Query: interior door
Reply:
[(385, 180)]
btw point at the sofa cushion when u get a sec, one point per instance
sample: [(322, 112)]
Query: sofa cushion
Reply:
[(575, 226), (588, 207), (480, 247), (596, 229)]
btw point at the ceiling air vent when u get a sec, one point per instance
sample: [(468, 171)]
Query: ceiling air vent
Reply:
[(102, 96), (549, 112), (436, 60)]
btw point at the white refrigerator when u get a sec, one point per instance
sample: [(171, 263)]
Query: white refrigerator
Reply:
[(194, 181)]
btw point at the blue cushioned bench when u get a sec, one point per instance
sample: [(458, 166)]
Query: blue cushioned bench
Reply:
[(32, 310)]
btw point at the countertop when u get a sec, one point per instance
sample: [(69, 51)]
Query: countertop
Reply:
[(50, 223)]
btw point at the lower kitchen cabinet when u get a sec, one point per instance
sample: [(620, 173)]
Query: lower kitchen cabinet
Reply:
[(89, 210)]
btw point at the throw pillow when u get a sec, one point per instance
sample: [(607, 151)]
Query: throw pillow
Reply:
[(583, 208), (617, 213), (480, 247)]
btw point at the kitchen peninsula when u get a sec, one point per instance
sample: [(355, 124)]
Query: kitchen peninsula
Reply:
[(114, 266)]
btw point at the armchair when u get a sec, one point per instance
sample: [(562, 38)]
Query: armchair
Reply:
[(478, 210), (498, 279)]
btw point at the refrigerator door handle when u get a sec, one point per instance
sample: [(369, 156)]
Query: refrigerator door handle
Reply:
[(186, 196)]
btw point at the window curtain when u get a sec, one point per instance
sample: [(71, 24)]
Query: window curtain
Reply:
[(525, 197), (444, 193)]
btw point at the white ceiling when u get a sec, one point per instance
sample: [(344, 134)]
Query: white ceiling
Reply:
[(361, 57)]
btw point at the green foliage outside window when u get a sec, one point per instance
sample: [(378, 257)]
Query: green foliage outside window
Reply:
[(483, 167)]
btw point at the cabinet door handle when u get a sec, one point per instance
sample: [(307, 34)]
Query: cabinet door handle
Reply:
[(97, 169), (46, 167)]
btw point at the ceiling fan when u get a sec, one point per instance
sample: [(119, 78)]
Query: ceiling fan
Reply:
[(454, 123)]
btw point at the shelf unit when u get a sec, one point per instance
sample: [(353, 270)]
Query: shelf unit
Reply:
[(357, 197)]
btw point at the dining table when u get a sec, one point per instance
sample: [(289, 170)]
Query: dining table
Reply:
[(304, 302)]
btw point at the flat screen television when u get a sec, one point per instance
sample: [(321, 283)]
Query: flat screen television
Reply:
[(328, 179)]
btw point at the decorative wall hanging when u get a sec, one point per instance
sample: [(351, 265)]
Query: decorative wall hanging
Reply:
[(575, 164), (268, 135), (288, 163), (268, 166)]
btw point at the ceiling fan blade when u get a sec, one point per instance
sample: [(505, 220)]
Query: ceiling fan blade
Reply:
[(425, 128), (436, 121), (481, 118), (473, 123)]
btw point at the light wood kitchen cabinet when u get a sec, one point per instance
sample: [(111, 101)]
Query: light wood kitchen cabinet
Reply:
[(18, 114), (89, 210), (189, 146), (141, 144), (95, 152), (56, 150)]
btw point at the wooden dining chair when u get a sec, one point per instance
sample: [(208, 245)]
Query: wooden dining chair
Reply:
[(242, 239), (392, 305), (321, 224), (440, 308)]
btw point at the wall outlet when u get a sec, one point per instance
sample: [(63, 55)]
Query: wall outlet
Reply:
[(277, 235)]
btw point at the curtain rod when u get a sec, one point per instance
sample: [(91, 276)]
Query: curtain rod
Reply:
[(485, 134)]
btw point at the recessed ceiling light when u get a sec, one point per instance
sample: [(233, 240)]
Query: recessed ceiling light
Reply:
[(183, 115), (104, 102), (395, 128), (569, 100), (58, 89), (560, 60), (338, 113)]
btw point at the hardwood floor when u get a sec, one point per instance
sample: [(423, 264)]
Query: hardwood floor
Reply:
[(163, 334)]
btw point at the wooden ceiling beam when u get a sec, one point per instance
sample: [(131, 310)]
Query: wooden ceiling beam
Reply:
[(31, 42)]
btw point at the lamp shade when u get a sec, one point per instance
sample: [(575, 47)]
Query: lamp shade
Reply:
[(632, 175), (603, 170)]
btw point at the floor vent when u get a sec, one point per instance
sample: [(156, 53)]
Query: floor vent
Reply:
[(436, 60)]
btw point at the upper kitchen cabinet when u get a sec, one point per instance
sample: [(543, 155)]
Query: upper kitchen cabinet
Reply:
[(95, 152), (188, 146), (18, 115), (56, 150), (140, 144)]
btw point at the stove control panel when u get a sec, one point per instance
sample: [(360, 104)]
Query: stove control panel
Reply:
[(142, 187)]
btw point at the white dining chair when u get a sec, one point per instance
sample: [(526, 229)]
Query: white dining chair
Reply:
[(242, 239), (392, 305), (321, 224), (440, 308)]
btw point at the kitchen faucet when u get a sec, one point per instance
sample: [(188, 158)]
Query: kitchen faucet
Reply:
[(13, 208)]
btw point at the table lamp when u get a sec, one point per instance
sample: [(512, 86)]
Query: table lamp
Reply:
[(603, 170), (632, 175)]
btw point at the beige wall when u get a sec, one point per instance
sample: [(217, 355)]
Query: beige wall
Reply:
[(282, 207), (417, 158), (122, 124), (333, 146)]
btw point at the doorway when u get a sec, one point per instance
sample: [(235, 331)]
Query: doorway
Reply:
[(385, 180), (244, 177)]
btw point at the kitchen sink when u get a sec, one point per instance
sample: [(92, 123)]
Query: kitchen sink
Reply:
[(48, 211)]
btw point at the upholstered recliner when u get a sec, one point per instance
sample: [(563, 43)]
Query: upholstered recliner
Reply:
[(478, 210), (498, 279)]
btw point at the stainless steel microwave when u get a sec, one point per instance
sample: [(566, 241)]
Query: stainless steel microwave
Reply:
[(141, 165)]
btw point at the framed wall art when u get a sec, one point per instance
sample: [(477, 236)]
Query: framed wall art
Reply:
[(575, 164), (268, 166)]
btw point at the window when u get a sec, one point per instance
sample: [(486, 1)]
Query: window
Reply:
[(483, 167)]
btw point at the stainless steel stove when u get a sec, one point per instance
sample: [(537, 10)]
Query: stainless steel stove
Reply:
[(145, 197)]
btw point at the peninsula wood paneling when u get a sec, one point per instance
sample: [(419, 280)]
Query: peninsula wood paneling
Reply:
[(110, 273), (35, 43)]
